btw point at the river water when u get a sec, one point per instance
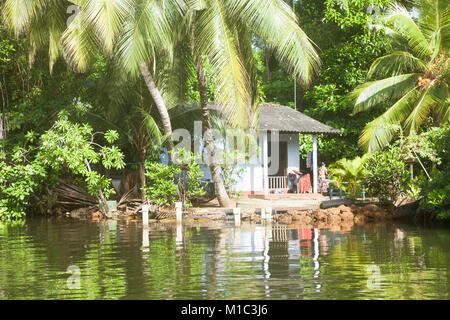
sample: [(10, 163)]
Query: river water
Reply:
[(75, 259)]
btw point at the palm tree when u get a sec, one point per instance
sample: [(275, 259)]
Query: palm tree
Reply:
[(219, 34), (127, 107), (414, 78), (135, 30), (349, 174)]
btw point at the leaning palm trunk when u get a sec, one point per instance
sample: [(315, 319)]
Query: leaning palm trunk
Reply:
[(221, 192), (160, 104)]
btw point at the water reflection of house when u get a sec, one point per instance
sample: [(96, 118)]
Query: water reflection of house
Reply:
[(305, 241), (281, 247)]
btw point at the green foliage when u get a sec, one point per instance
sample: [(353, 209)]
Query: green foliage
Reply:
[(349, 175), (18, 182), (179, 181), (353, 13), (386, 175), (231, 170), (189, 178), (422, 145), (66, 146), (161, 188), (345, 65), (412, 77), (437, 199), (73, 145), (437, 190), (348, 48)]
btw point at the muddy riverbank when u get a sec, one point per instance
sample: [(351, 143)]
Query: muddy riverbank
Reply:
[(345, 215)]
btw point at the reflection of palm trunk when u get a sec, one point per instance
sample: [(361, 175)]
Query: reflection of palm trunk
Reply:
[(160, 104), (212, 276)]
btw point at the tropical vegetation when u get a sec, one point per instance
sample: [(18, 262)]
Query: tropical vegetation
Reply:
[(93, 89), (413, 76)]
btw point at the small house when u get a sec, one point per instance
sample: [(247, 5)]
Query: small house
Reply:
[(278, 141)]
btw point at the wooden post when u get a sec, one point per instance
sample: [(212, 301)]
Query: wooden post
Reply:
[(237, 216), (268, 214), (145, 209), (315, 164), (179, 212), (263, 213)]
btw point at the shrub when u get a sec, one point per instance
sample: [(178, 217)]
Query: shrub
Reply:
[(437, 195), (385, 175), (67, 145), (179, 181), (231, 170), (73, 145), (17, 184), (161, 188), (349, 175), (437, 190)]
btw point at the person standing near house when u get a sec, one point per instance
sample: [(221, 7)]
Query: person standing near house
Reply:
[(323, 183)]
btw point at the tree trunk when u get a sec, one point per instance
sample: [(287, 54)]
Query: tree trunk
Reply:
[(2, 129), (267, 58), (101, 196), (222, 195), (160, 104)]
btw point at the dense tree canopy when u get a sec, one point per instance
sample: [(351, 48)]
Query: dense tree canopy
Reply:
[(113, 70)]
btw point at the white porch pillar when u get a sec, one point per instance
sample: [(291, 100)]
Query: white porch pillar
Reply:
[(315, 172), (265, 159)]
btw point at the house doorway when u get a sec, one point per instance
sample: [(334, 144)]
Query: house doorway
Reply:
[(278, 180)]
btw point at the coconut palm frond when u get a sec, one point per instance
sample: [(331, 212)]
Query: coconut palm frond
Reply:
[(435, 22), (145, 32), (231, 78), (19, 14), (151, 126), (422, 109), (107, 17), (371, 93), (414, 74), (440, 94), (394, 64), (80, 43), (243, 37), (380, 131), (177, 76), (275, 22), (400, 20), (32, 16)]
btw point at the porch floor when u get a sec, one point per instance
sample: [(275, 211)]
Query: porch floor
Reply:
[(299, 202), (293, 196)]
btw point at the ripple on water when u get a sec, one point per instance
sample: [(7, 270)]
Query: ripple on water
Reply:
[(69, 259)]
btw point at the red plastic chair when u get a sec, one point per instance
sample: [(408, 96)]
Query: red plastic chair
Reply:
[(304, 184)]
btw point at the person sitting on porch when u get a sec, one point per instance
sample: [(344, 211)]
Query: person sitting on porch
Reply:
[(323, 183)]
